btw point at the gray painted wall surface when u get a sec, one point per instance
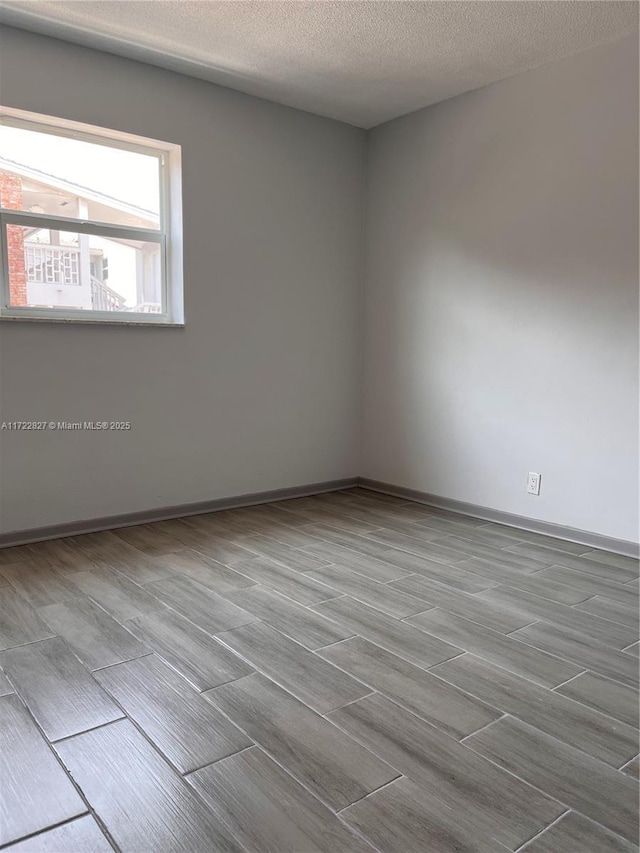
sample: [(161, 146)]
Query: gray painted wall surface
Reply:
[(501, 320), (501, 302), (260, 390)]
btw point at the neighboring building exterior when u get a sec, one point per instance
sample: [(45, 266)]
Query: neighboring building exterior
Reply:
[(52, 269), (11, 198)]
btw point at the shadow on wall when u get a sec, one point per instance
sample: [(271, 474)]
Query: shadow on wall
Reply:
[(502, 304)]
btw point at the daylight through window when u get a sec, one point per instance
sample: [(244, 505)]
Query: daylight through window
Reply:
[(89, 223)]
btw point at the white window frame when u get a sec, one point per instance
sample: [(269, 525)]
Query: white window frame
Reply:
[(169, 235)]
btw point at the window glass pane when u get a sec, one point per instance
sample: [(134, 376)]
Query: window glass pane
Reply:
[(65, 270), (56, 176)]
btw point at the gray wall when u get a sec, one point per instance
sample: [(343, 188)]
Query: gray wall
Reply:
[(501, 330), (260, 390), (501, 308)]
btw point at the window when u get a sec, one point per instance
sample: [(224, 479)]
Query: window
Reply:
[(90, 223)]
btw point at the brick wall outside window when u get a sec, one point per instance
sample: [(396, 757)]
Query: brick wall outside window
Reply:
[(11, 198)]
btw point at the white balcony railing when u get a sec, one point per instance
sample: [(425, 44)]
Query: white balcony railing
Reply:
[(52, 264), (60, 266), (103, 298)]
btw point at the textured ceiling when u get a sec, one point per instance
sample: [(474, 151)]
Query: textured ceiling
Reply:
[(362, 62)]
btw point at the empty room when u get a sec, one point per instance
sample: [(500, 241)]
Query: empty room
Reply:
[(319, 426)]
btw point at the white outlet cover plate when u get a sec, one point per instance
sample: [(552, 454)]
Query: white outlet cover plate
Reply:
[(533, 483)]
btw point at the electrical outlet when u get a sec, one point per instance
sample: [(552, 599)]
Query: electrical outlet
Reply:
[(533, 483)]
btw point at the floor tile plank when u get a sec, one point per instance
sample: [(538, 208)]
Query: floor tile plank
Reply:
[(473, 787), (96, 638), (19, 621), (230, 524), (197, 656), (507, 557), (56, 688), (366, 498), (616, 611), (499, 617), (458, 579), (122, 776), (432, 512), (538, 583), (301, 587), (122, 598), (272, 512), (632, 768), (312, 679), (219, 549), (582, 650), (66, 556), (246, 518), (366, 517), (430, 698), (362, 493), (604, 794), (401, 818), (186, 728), (440, 524), (5, 685), (298, 739), (497, 648), (200, 605), (604, 695), (590, 585), (606, 571), (210, 573), (362, 544), (82, 835), (91, 543), (398, 637), (148, 540), (411, 517), (363, 564), (36, 791), (293, 558), (178, 528), (482, 535), (519, 535), (573, 833), (571, 722), (265, 809), (139, 567), (318, 514), (17, 554), (295, 536), (611, 559), (39, 585), (404, 549), (392, 602), (408, 527), (301, 624), (615, 635)]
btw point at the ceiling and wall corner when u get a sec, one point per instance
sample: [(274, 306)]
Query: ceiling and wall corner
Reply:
[(363, 63)]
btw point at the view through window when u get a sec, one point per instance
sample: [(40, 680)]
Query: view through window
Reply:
[(85, 225)]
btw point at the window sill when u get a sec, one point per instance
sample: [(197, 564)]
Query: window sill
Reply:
[(81, 322)]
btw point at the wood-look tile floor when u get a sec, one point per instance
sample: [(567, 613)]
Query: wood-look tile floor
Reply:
[(344, 672)]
